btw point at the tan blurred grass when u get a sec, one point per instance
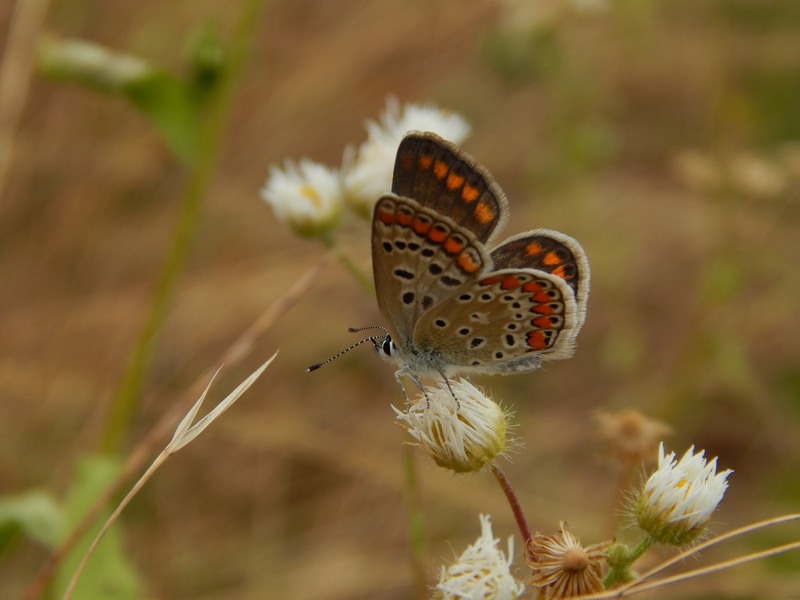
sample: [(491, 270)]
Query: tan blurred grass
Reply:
[(298, 492)]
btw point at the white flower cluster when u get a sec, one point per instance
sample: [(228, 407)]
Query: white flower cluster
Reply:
[(368, 171), (309, 197), (481, 572)]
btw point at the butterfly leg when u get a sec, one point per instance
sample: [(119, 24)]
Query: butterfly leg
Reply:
[(449, 387), (406, 371)]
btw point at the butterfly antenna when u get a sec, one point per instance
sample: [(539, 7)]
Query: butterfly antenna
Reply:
[(371, 338), (357, 329)]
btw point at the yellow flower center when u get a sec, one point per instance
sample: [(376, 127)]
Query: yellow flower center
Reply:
[(309, 192)]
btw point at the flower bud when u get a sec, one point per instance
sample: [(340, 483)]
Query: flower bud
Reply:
[(676, 502)]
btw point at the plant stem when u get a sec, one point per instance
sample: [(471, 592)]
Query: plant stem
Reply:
[(415, 522), (127, 396), (347, 263), (513, 502), (640, 549)]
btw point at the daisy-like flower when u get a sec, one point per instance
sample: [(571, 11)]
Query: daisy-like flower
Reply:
[(676, 502), (482, 571), (562, 568), (462, 437), (306, 196), (368, 171)]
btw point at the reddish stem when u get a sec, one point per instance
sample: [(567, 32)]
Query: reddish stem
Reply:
[(513, 502)]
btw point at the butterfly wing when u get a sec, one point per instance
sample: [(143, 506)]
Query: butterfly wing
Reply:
[(419, 259), (441, 176), (449, 304), (552, 252), (507, 321)]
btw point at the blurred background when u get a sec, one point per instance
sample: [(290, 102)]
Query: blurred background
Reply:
[(664, 136)]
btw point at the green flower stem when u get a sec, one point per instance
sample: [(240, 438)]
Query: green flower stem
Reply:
[(347, 263), (415, 522), (621, 562), (127, 396), (640, 549)]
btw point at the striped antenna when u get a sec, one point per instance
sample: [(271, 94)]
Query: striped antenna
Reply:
[(371, 338)]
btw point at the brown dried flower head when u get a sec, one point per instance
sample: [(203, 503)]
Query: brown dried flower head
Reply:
[(562, 568)]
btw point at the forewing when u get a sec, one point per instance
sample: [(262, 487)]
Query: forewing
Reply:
[(419, 259), (441, 176)]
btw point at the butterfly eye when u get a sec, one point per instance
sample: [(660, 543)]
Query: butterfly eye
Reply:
[(388, 346)]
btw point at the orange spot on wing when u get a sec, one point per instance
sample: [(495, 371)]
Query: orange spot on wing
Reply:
[(532, 286), (406, 161), (420, 226), (436, 235), (559, 271), (440, 169), (551, 258), (452, 246), (534, 248), (466, 263), (541, 297), (484, 214), (489, 281), (454, 181), (537, 340), (543, 309), (386, 217), (425, 161), (404, 218), (470, 193), (542, 322), (510, 282)]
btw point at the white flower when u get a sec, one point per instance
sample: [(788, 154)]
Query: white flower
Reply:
[(677, 501), (368, 171), (306, 196), (463, 437), (482, 571)]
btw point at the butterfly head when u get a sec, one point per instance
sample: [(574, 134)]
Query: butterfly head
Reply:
[(385, 346)]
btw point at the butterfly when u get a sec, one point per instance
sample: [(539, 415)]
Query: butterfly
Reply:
[(454, 304)]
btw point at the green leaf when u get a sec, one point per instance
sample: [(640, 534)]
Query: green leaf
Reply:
[(108, 575), (172, 106), (34, 512), (167, 104)]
